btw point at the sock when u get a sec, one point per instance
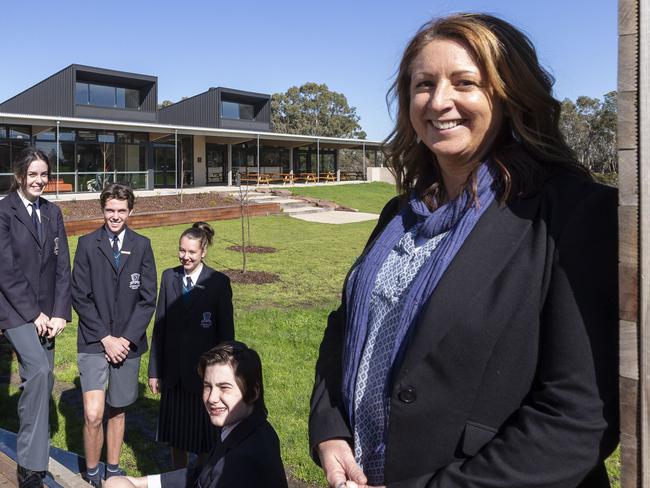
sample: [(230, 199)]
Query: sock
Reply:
[(93, 473), (113, 468)]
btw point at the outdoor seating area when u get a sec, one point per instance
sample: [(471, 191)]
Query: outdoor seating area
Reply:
[(255, 178), (52, 185)]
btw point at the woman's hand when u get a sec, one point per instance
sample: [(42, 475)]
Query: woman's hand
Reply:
[(55, 327), (338, 463), (154, 385), (41, 323)]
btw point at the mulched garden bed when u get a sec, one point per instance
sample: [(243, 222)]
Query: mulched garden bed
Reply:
[(251, 277), (90, 209), (253, 249)]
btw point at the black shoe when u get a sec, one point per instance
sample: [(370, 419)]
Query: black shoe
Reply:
[(94, 482), (29, 479), (109, 474)]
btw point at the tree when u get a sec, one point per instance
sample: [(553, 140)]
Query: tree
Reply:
[(314, 109), (589, 127), (165, 103)]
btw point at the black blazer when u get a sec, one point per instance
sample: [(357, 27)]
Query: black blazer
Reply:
[(249, 457), (510, 377), (35, 276), (109, 300), (184, 330)]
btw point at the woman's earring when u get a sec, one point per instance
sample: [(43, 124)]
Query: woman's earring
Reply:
[(418, 139)]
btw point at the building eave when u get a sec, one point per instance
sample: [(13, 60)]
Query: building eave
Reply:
[(287, 139)]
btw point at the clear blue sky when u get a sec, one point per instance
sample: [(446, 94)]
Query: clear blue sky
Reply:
[(267, 46)]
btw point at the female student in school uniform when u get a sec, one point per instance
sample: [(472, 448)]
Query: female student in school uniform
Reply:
[(248, 453), (194, 313), (34, 302)]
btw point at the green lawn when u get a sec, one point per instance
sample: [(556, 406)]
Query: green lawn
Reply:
[(366, 197), (284, 321)]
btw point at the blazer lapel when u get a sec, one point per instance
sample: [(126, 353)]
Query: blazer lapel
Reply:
[(177, 283), (244, 429), (484, 254), (127, 249), (104, 246), (22, 215), (46, 219)]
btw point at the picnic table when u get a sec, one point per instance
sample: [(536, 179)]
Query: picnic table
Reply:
[(256, 178), (52, 184), (328, 176), (309, 177)]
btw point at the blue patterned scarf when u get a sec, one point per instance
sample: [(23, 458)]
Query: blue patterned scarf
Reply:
[(458, 218)]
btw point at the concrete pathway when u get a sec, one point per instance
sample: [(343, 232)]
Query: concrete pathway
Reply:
[(336, 217)]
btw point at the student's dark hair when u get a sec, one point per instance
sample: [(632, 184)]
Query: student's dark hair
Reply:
[(246, 364), (200, 231), (21, 164), (117, 192)]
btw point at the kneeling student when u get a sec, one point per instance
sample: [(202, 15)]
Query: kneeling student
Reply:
[(114, 294), (248, 455)]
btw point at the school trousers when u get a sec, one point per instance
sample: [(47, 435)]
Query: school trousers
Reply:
[(36, 360)]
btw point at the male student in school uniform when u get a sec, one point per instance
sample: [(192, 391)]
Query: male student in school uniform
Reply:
[(114, 293)]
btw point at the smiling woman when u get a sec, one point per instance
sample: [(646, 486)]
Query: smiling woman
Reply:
[(453, 110), (476, 344)]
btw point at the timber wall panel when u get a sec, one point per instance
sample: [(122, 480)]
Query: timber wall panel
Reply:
[(628, 66), (632, 469), (628, 178), (627, 123)]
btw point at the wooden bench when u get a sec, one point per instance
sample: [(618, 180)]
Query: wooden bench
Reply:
[(256, 178), (328, 176), (287, 178), (309, 177), (52, 184)]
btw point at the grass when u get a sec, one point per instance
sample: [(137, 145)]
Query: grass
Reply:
[(371, 199), (283, 321)]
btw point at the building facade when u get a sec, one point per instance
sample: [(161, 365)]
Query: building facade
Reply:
[(99, 126)]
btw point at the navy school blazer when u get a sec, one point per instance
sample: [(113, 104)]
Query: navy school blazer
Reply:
[(110, 300), (510, 376), (35, 276), (249, 457), (185, 328)]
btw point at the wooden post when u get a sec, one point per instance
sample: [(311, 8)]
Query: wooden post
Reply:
[(634, 253)]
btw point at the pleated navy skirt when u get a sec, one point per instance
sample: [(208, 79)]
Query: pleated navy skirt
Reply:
[(183, 422)]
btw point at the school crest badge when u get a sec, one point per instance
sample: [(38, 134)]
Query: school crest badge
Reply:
[(56, 246), (207, 320), (135, 281)]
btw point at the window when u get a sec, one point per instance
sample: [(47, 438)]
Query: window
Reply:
[(234, 110), (22, 133), (106, 96), (46, 136), (101, 95), (81, 93)]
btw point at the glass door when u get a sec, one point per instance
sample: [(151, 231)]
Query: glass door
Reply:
[(164, 166), (216, 162)]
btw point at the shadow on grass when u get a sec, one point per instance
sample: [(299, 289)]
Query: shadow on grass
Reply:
[(140, 432)]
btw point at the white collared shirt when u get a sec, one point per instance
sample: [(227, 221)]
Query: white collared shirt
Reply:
[(28, 205), (120, 237), (194, 276)]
